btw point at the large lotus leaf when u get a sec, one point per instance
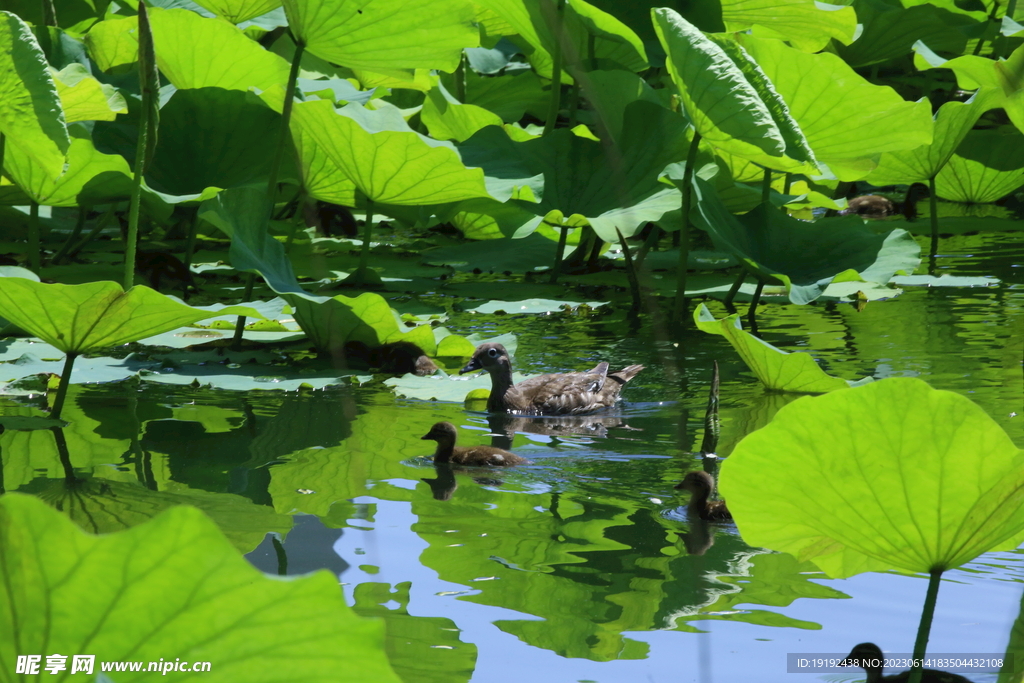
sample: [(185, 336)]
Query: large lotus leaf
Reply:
[(448, 119), (79, 318), (31, 119), (988, 165), (321, 177), (777, 369), (384, 34), (723, 106), (211, 137), (894, 474), (582, 178), (531, 21), (91, 176), (113, 43), (846, 120), (609, 92), (237, 11), (484, 219), (890, 30), (805, 24), (387, 165), (952, 123), (188, 577), (804, 256), (1001, 80), (510, 96), (83, 98)]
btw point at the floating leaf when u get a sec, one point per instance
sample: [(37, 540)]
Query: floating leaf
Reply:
[(894, 474), (188, 576), (777, 369)]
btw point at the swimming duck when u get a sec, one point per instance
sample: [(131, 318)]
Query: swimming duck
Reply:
[(701, 484), (876, 206), (444, 434), (394, 357), (869, 657), (567, 393)]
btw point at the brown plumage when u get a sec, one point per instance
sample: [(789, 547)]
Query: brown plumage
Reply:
[(567, 393), (876, 206), (701, 484), (868, 656), (444, 434)]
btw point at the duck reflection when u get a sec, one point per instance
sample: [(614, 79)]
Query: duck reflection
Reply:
[(444, 484), (504, 427)]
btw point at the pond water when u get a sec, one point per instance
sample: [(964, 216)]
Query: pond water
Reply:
[(581, 566)]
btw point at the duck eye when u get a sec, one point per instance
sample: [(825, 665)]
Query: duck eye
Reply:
[(493, 353)]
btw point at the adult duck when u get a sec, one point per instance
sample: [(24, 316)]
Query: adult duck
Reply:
[(869, 657), (566, 393), (445, 434), (876, 206), (701, 484)]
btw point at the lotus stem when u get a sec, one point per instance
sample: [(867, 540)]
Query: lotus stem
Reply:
[(733, 290), (236, 340), (83, 212), (64, 455), (925, 626), (364, 254), (712, 423), (766, 186), (631, 274), (684, 230), (563, 236), (650, 243), (190, 242), (787, 184), (100, 224), (556, 66), (35, 259), (933, 203), (574, 102), (752, 311), (62, 388), (282, 556)]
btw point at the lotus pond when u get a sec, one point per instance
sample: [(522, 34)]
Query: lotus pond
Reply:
[(247, 245)]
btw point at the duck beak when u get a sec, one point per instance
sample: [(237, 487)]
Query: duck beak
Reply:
[(425, 437), (473, 364)]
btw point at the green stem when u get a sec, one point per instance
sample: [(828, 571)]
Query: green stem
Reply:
[(236, 340), (282, 556), (712, 423), (734, 289), (924, 627), (83, 212), (556, 68), (631, 274), (752, 311), (190, 243), (96, 229), (650, 243), (562, 237), (574, 102), (364, 254), (34, 258), (684, 229), (62, 388), (133, 208), (933, 203), (766, 186)]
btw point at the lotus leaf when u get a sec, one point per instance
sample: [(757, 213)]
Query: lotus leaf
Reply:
[(890, 30), (188, 575), (237, 11), (83, 98), (447, 119), (894, 474), (804, 256), (777, 369), (807, 25), (988, 165), (79, 318), (509, 96), (112, 43), (847, 120), (31, 118), (384, 34)]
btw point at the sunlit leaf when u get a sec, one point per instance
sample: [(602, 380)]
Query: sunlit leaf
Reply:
[(805, 24), (988, 165), (894, 474), (86, 99), (188, 576), (237, 11)]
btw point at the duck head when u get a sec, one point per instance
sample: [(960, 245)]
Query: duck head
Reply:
[(442, 432), (489, 357), (867, 656), (697, 481)]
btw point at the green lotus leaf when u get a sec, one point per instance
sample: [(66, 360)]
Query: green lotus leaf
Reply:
[(580, 179), (83, 98), (387, 165), (384, 34), (894, 474), (31, 119), (777, 369), (321, 177), (211, 137), (113, 43), (530, 306), (724, 107), (188, 576), (485, 219), (889, 31), (79, 318), (988, 165), (510, 96), (846, 120), (952, 123), (198, 52), (803, 256), (443, 387), (448, 119), (805, 24), (237, 11), (530, 21)]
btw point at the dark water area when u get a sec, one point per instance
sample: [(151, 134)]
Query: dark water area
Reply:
[(582, 566)]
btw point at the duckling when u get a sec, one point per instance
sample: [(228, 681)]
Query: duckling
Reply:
[(568, 393), (444, 434), (701, 484), (876, 206), (869, 657), (394, 357)]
